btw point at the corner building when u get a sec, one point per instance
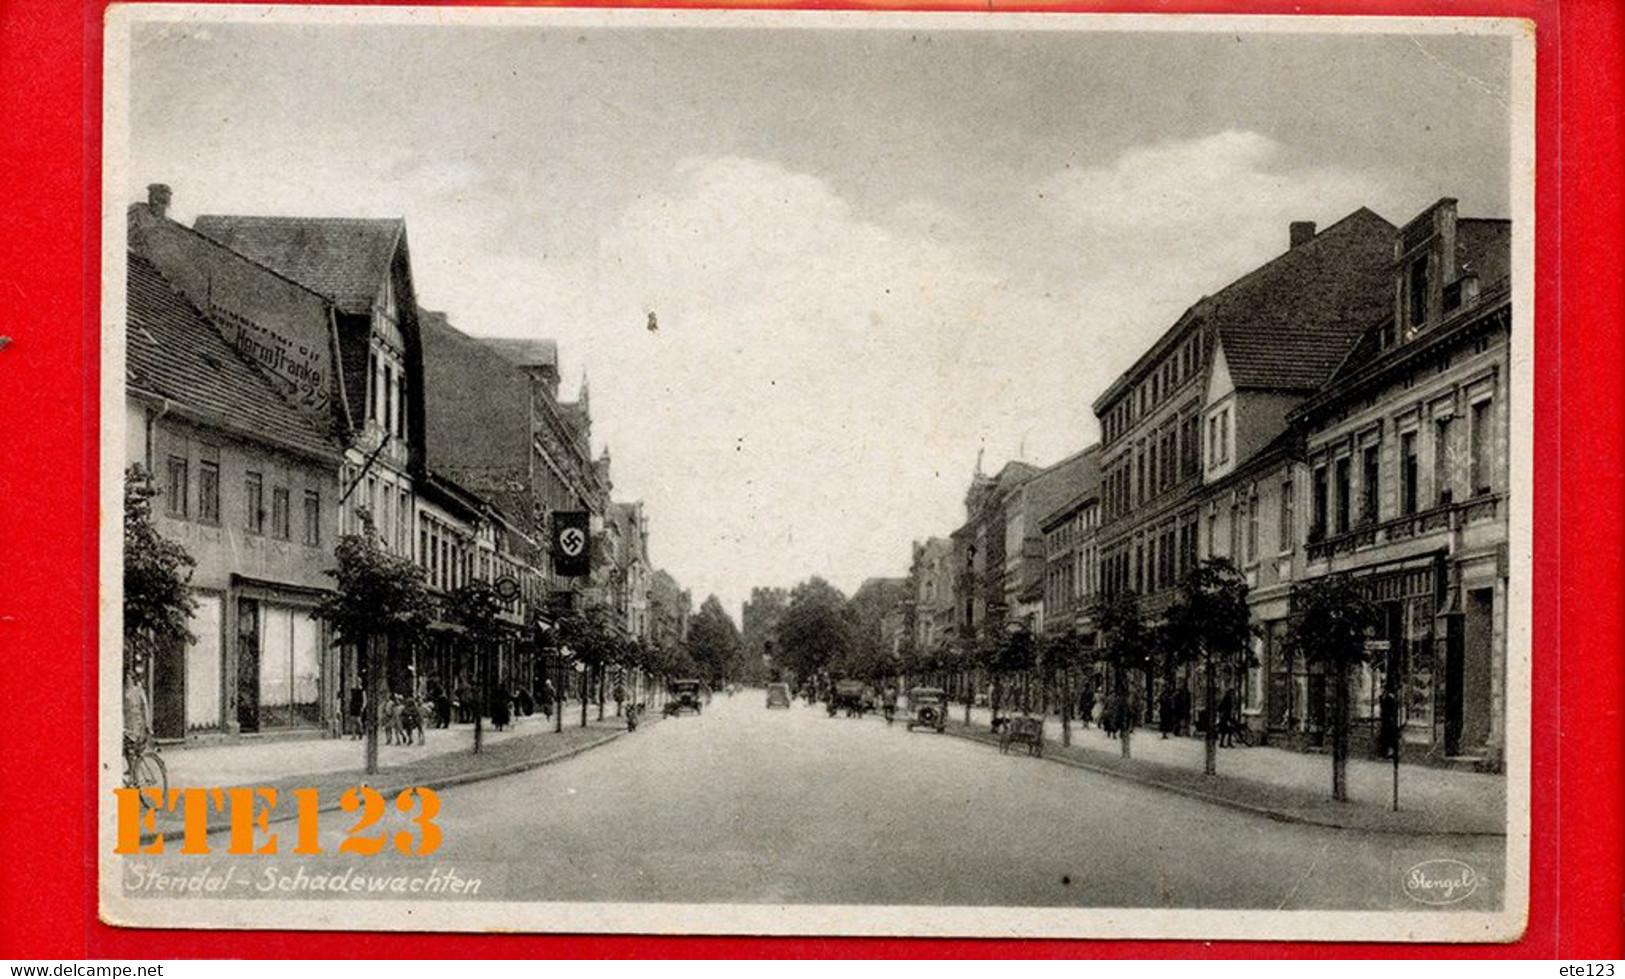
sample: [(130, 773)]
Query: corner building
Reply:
[(1214, 391), (1407, 463)]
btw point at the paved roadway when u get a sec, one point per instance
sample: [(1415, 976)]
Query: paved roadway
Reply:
[(746, 805)]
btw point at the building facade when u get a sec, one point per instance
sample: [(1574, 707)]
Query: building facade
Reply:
[(363, 269), (1406, 478), (1213, 393), (931, 574), (248, 484)]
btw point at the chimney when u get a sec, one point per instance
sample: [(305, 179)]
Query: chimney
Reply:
[(158, 199), (1301, 232)]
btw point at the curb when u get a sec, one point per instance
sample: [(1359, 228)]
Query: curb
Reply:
[(444, 782), (1276, 815)]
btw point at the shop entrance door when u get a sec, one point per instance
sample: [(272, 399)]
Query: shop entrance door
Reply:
[(248, 665), (1476, 642), (1453, 677)]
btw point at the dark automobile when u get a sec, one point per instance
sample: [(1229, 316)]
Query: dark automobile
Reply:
[(927, 707), (778, 695), (851, 696), (683, 695)]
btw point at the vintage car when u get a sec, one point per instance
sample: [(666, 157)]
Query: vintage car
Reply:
[(927, 707), (682, 695), (778, 695), (851, 696)]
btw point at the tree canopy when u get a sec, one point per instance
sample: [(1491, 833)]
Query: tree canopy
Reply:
[(714, 642), (378, 593), (815, 629), (157, 572)]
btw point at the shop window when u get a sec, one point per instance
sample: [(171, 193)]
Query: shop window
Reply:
[(208, 492), (289, 667), (175, 488), (1252, 700)]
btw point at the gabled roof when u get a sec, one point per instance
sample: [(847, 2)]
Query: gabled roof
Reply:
[(174, 351), (524, 351), (344, 259), (1073, 476), (477, 405), (1287, 325)]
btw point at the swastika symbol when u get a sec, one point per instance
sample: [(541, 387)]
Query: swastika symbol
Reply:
[(572, 540)]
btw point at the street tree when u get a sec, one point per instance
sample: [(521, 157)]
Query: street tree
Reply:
[(814, 630), (1009, 653), (475, 607), (1125, 646), (1210, 623), (714, 642), (593, 640), (1331, 619), (380, 601), (158, 603), (1063, 656)]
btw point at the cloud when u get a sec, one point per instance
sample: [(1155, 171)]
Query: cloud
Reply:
[(820, 381), (822, 378), (1184, 217)]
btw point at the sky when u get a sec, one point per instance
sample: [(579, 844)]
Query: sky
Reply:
[(873, 252)]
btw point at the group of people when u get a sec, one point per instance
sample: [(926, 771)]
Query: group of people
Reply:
[(403, 716), (1100, 707)]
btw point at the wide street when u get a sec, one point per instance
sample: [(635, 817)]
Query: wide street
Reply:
[(746, 805)]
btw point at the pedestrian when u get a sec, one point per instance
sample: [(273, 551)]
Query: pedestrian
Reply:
[(548, 698), (1167, 712), (1389, 713), (1226, 718), (1182, 711), (137, 710), (440, 701), (358, 709), (464, 701), (1097, 710), (499, 707)]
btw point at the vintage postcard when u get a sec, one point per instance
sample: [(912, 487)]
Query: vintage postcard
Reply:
[(1045, 475)]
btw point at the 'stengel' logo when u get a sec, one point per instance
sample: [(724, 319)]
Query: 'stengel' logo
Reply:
[(1440, 882)]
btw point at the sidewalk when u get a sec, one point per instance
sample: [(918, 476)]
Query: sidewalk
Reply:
[(332, 765), (1288, 786)]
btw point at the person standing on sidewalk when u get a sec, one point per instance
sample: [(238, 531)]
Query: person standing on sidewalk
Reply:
[(137, 710), (1227, 718)]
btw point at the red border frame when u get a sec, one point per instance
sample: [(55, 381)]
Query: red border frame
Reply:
[(49, 248)]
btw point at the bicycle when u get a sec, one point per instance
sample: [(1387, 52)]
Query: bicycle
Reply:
[(144, 769)]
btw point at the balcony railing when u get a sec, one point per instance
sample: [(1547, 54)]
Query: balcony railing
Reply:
[(1446, 516)]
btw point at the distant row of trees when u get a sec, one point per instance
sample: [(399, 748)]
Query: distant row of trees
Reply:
[(1208, 631)]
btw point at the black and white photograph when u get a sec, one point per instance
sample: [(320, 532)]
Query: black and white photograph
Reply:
[(741, 472)]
